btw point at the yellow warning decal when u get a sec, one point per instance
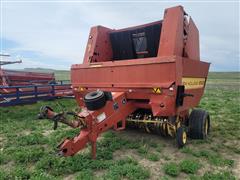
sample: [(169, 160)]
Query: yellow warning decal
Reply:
[(193, 83), (81, 89), (157, 90)]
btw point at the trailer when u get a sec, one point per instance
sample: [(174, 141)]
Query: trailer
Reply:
[(24, 87), (18, 78), (148, 76)]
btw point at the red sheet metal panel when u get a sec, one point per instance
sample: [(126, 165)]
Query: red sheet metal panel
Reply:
[(171, 42), (98, 46), (146, 75), (192, 41)]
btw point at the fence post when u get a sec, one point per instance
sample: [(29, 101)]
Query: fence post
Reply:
[(35, 92), (17, 94), (53, 90)]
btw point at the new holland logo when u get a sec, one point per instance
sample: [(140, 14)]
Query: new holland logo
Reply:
[(193, 83), (157, 90)]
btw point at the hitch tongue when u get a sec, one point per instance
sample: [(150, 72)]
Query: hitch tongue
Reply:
[(48, 113)]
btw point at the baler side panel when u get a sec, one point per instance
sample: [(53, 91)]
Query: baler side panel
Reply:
[(171, 40), (98, 47), (192, 44), (137, 76), (197, 71)]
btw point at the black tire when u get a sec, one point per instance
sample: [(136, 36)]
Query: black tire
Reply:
[(95, 100), (199, 124), (181, 137)]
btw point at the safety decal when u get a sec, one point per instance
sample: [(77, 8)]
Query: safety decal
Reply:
[(157, 90)]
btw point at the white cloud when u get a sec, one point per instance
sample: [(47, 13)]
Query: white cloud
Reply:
[(60, 30), (32, 63)]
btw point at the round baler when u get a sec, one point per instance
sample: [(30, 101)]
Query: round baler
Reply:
[(148, 77)]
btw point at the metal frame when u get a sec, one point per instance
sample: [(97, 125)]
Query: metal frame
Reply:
[(16, 95)]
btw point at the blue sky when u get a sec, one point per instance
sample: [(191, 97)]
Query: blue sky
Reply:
[(54, 34)]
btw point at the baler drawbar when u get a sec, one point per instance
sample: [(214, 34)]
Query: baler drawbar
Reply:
[(148, 77)]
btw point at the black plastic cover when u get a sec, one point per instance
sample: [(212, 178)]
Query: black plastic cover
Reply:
[(136, 43)]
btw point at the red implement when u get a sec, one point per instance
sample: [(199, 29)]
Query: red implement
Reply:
[(150, 75)]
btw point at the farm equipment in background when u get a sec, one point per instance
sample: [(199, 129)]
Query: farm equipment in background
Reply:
[(22, 78), (19, 78), (4, 62), (21, 87), (3, 80), (147, 76)]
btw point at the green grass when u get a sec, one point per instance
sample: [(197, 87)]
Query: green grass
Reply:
[(214, 158), (171, 169), (31, 139), (59, 74), (160, 147), (86, 174), (28, 145), (189, 166), (26, 154), (143, 150), (217, 176), (153, 157), (126, 168)]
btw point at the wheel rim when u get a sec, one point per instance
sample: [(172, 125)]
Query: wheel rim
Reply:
[(184, 137), (206, 127)]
